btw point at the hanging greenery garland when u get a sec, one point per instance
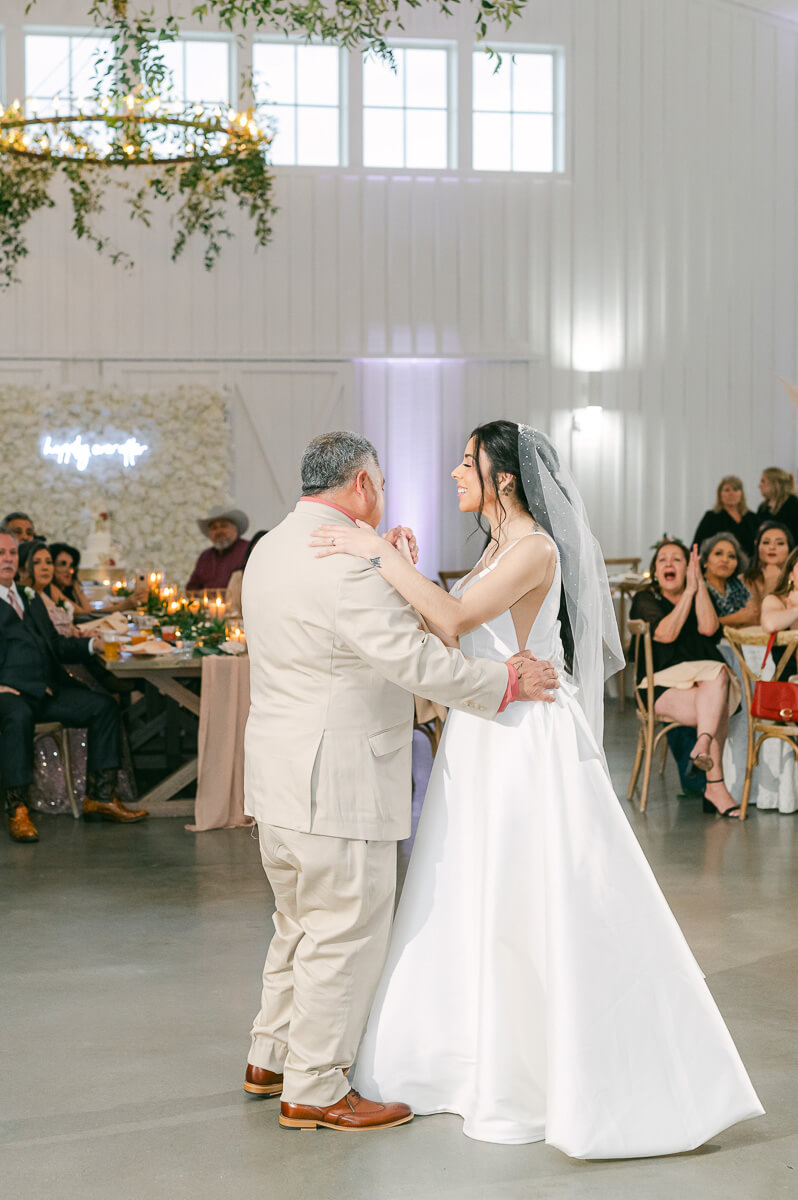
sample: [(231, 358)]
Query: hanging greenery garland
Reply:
[(196, 160)]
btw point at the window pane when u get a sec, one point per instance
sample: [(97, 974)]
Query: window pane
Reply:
[(426, 138), (317, 136), (491, 87), (426, 78), (274, 73), (383, 140), (172, 55), (207, 73), (90, 57), (533, 83), (317, 74), (46, 66), (532, 143), (492, 142), (282, 150), (381, 84)]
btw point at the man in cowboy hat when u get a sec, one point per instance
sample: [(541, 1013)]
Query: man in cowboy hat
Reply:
[(225, 527)]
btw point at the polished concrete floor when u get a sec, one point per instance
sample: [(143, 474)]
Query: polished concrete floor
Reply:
[(131, 961)]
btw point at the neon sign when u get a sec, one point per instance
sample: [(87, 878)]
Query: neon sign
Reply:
[(80, 453)]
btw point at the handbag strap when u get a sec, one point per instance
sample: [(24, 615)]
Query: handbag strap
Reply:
[(767, 652)]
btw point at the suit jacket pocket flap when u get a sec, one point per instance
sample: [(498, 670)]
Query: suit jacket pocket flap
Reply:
[(388, 740)]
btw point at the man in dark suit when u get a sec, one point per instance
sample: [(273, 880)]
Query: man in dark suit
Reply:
[(33, 688)]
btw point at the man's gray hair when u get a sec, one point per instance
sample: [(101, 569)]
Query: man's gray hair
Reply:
[(332, 460)]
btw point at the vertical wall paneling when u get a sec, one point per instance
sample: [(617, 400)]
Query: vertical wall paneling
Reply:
[(656, 276)]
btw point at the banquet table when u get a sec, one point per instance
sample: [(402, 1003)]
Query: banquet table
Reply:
[(167, 675), (623, 588)]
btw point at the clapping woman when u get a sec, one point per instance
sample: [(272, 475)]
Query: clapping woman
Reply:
[(692, 683)]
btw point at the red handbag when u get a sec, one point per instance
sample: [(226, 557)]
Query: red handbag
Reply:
[(774, 699)]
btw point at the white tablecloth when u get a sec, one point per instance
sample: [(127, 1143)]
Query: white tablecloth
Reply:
[(775, 779)]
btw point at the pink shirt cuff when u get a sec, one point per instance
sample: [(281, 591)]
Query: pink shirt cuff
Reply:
[(512, 688)]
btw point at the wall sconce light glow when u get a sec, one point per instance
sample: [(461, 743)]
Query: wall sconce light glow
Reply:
[(80, 453), (587, 419)]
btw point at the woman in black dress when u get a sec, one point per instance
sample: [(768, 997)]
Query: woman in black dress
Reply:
[(692, 683), (730, 514), (779, 501)]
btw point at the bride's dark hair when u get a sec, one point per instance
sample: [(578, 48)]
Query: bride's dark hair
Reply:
[(499, 441)]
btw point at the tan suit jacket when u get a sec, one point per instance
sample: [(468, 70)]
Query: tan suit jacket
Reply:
[(335, 657)]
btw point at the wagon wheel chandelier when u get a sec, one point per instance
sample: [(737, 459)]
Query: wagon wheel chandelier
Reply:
[(183, 154)]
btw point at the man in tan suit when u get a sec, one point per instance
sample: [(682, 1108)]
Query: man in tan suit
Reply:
[(335, 657)]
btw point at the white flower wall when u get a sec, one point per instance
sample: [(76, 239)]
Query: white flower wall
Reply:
[(154, 504)]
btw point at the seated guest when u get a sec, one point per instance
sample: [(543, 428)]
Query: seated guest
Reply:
[(36, 571), (20, 525), (692, 684), (35, 688), (722, 560), (779, 501), (780, 608), (233, 596), (771, 548), (66, 561), (731, 514), (225, 527)]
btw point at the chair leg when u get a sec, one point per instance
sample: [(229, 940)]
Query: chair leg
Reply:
[(750, 758), (641, 737), (647, 769), (66, 759), (663, 755)]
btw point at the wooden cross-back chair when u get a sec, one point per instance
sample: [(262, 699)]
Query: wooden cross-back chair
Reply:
[(653, 728), (760, 730)]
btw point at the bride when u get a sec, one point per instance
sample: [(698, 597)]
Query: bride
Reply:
[(537, 983)]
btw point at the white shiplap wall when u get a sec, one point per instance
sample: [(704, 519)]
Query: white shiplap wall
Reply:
[(415, 304)]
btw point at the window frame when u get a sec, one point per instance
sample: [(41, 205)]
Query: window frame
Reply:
[(232, 64), (342, 106), (453, 51), (558, 112), (72, 32)]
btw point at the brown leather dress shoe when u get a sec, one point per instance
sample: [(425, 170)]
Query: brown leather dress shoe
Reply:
[(352, 1114), (260, 1082), (114, 810), (20, 825)]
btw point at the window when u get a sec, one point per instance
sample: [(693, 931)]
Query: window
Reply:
[(514, 112), (198, 72), (298, 90), (406, 110), (63, 72)]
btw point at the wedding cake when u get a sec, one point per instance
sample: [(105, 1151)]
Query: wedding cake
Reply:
[(101, 550)]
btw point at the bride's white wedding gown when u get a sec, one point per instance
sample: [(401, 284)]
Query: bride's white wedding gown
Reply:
[(537, 982)]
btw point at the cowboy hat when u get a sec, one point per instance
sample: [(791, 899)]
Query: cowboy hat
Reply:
[(222, 513)]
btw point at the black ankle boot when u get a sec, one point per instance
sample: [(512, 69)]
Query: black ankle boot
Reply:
[(101, 785), (16, 796)]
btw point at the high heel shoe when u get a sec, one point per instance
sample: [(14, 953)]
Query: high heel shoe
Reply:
[(704, 762), (732, 812)]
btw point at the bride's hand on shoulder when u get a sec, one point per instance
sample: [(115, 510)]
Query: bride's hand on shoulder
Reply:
[(361, 541)]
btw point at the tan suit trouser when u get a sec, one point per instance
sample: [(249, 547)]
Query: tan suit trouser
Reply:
[(334, 907)]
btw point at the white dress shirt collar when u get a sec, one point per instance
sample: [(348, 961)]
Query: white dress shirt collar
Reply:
[(5, 594)]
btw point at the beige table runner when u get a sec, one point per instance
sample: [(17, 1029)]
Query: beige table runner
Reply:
[(224, 707)]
